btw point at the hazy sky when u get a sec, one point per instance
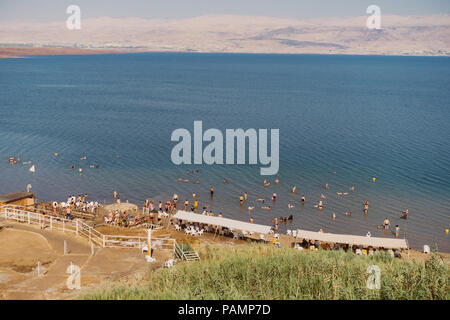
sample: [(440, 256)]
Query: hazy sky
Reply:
[(54, 10)]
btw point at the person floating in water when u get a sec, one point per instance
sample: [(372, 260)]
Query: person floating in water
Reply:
[(320, 205), (404, 214)]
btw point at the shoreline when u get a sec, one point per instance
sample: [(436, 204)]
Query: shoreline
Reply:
[(21, 52), (14, 52)]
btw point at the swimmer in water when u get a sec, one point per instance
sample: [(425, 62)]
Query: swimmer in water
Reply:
[(294, 188), (267, 207), (260, 200), (245, 196), (326, 186), (404, 214), (290, 206), (211, 191), (274, 196), (333, 216), (252, 220), (303, 199), (224, 180), (277, 181)]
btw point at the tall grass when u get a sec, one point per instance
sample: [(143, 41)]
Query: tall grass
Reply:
[(262, 272)]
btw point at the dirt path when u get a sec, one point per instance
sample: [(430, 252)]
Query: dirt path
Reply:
[(22, 246)]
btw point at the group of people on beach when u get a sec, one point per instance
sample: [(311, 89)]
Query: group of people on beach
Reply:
[(79, 203)]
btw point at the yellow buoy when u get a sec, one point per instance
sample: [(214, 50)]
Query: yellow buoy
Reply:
[(56, 154), (446, 231), (374, 179)]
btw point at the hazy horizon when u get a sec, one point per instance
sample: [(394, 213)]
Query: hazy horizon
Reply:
[(55, 10)]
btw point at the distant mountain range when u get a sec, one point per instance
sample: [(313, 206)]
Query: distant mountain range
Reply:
[(400, 35)]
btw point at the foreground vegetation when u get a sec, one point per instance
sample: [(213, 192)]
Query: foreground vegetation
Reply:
[(261, 272)]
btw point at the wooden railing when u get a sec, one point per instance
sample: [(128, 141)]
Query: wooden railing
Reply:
[(78, 227)]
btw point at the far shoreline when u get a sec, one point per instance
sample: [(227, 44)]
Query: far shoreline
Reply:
[(14, 52), (21, 52)]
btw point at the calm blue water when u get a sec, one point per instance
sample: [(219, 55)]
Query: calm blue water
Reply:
[(358, 116)]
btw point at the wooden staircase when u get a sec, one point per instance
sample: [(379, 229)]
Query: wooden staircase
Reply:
[(189, 255)]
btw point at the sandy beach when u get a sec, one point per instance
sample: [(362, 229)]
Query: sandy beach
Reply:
[(108, 266)]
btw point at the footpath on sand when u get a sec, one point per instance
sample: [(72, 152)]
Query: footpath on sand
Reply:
[(25, 245)]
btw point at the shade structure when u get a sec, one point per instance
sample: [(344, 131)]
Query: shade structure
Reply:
[(375, 242), (222, 222)]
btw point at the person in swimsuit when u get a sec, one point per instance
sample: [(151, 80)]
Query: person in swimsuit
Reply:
[(386, 224)]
